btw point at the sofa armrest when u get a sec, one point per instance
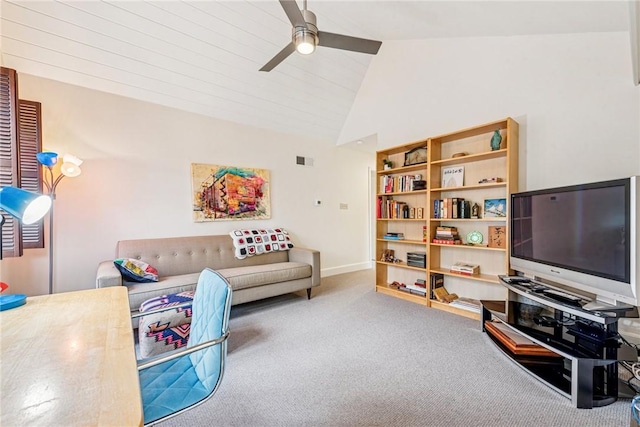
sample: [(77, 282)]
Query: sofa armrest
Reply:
[(108, 275), (307, 256)]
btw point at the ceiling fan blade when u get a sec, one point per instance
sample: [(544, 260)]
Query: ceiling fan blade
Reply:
[(281, 56), (293, 13), (355, 44)]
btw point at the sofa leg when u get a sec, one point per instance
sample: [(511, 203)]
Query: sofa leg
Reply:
[(308, 293)]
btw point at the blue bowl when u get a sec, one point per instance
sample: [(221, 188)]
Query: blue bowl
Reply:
[(8, 302)]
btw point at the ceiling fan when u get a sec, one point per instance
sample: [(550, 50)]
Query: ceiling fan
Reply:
[(305, 36)]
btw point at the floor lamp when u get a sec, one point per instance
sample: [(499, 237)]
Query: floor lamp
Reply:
[(70, 167), (28, 208)]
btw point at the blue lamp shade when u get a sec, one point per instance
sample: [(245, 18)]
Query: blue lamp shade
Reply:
[(47, 158), (26, 206)]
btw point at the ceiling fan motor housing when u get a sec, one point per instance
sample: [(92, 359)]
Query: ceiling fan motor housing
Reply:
[(302, 35)]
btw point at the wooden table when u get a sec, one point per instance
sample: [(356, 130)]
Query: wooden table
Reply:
[(69, 359)]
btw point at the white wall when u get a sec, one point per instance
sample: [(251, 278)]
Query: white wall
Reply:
[(573, 96), (136, 183)]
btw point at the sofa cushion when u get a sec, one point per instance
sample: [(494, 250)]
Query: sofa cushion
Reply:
[(238, 277), (257, 275), (136, 270), (140, 292)]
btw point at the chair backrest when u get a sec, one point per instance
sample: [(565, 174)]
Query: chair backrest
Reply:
[(211, 308)]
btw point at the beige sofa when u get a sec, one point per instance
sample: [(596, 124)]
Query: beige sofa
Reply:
[(179, 261)]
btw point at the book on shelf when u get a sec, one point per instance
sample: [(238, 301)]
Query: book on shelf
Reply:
[(465, 268), (468, 304), (443, 295), (465, 209), (418, 184), (435, 280), (446, 241), (388, 208), (412, 289), (401, 184), (451, 208), (416, 288), (393, 236), (446, 233)]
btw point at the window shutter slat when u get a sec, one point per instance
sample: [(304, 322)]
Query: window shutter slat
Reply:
[(9, 162), (30, 143)]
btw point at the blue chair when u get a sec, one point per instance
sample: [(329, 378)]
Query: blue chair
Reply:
[(182, 379)]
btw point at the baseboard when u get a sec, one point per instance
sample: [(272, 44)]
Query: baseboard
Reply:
[(332, 271)]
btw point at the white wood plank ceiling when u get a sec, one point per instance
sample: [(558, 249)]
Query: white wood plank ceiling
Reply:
[(204, 56)]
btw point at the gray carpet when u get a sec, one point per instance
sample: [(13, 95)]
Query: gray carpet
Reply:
[(352, 357)]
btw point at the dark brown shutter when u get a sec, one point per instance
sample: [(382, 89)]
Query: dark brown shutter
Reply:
[(30, 143), (9, 162)]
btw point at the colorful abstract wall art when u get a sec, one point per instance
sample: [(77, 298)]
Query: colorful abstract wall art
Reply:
[(229, 193)]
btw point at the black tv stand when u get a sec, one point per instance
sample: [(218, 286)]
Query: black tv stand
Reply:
[(573, 350)]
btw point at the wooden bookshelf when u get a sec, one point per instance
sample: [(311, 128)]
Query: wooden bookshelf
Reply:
[(480, 162)]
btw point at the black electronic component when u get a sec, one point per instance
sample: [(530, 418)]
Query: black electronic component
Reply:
[(562, 296), (516, 279), (545, 321), (588, 332)]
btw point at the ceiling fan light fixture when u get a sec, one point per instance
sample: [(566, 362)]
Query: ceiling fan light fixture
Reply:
[(305, 36), (305, 41)]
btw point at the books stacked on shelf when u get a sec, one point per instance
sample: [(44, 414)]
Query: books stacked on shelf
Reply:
[(388, 208), (418, 184), (465, 268), (451, 208), (446, 235), (418, 288), (403, 183), (393, 236), (466, 304)]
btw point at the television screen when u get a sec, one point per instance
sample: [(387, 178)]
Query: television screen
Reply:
[(581, 228)]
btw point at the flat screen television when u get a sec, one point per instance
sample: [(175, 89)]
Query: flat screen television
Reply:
[(584, 237)]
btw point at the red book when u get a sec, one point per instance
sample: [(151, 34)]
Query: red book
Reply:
[(447, 242)]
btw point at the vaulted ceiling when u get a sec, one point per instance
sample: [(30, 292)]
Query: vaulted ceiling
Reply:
[(204, 56)]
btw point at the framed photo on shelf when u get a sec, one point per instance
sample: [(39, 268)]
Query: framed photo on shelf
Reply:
[(497, 236), (453, 176), (416, 156), (419, 213), (495, 208)]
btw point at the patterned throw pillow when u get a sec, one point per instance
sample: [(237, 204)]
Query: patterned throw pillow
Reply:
[(136, 270), (260, 241), (166, 330)]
